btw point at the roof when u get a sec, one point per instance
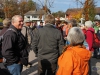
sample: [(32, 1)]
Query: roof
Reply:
[(98, 10), (80, 9), (35, 12), (73, 10)]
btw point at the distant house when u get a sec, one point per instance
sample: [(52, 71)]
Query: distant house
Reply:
[(35, 15), (61, 18), (76, 10)]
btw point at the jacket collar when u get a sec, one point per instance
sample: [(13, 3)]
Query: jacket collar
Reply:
[(49, 25), (13, 27)]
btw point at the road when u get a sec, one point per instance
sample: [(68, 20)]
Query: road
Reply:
[(32, 70), (95, 66)]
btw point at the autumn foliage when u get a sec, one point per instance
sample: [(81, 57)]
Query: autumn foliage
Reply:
[(12, 7)]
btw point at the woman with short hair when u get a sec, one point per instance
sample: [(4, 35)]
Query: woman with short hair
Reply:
[(75, 57)]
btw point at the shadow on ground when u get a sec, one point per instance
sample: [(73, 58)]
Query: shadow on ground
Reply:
[(95, 66), (31, 69)]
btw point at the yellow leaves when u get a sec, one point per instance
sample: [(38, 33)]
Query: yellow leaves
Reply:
[(76, 15)]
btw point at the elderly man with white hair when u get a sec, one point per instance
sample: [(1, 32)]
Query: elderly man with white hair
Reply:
[(13, 46)]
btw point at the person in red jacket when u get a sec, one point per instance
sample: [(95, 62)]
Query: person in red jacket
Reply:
[(89, 34)]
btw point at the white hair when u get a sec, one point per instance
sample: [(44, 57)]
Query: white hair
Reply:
[(15, 17), (75, 36), (89, 24)]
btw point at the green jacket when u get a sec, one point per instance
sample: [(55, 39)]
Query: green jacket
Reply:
[(96, 28)]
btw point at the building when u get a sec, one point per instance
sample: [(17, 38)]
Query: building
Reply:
[(74, 11), (36, 15)]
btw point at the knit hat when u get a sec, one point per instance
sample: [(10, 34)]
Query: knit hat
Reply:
[(6, 22), (89, 24)]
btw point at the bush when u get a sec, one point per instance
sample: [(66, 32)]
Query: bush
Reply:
[(1, 20)]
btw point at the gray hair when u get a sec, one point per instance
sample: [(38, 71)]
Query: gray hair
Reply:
[(50, 19), (15, 17), (6, 22), (75, 36)]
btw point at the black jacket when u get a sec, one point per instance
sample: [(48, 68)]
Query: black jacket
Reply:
[(12, 45), (48, 43), (3, 30)]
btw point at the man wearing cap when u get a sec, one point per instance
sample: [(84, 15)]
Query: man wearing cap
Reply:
[(26, 31)]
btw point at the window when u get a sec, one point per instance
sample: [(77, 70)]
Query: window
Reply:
[(35, 16), (28, 16)]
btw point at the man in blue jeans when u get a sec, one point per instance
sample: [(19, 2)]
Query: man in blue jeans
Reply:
[(13, 46)]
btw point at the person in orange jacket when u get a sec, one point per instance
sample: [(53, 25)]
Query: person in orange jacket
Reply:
[(75, 57)]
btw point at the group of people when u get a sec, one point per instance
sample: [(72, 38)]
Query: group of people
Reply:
[(59, 48)]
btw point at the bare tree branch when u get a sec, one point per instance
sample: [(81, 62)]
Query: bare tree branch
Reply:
[(82, 3), (41, 3), (50, 3)]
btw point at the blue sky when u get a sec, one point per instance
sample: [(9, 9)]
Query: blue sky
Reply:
[(63, 5)]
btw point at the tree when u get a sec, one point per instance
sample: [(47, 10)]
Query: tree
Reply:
[(77, 15), (31, 5), (92, 10), (59, 14), (12, 7), (88, 9), (25, 6), (9, 7), (46, 5)]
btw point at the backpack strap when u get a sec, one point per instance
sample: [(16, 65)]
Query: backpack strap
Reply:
[(25, 30), (10, 29), (30, 32)]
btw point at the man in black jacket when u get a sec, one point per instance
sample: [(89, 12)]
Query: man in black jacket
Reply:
[(13, 46), (47, 45)]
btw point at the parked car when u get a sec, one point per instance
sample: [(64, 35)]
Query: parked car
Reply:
[(1, 25)]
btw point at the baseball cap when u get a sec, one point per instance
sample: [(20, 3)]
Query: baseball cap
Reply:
[(27, 20)]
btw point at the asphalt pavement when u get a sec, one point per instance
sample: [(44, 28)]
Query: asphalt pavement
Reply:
[(95, 66)]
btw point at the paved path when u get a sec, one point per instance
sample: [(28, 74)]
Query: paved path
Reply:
[(95, 66), (32, 70)]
